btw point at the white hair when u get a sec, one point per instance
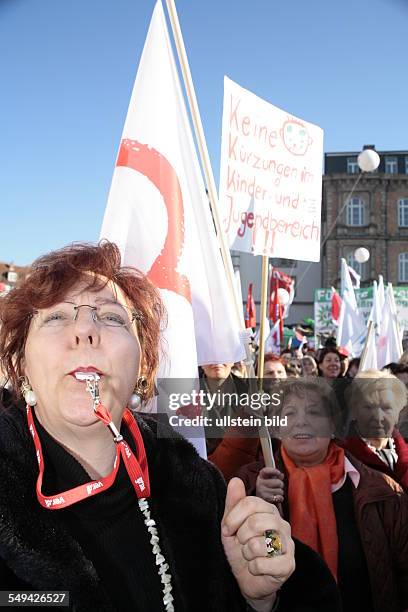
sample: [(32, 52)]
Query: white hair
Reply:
[(370, 381)]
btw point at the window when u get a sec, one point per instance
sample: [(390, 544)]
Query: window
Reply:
[(406, 164), (352, 165), (355, 212), (236, 259), (357, 267), (391, 165), (12, 276), (403, 212), (403, 267)]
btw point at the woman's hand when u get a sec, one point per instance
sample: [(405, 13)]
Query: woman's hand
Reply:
[(243, 525), (269, 485)]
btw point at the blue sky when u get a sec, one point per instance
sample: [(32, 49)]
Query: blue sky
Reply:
[(67, 70)]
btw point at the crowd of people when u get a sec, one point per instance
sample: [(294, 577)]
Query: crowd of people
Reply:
[(340, 473), (113, 506)]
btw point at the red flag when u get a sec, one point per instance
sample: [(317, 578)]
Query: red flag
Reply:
[(280, 280), (335, 306), (276, 309), (273, 299), (250, 311)]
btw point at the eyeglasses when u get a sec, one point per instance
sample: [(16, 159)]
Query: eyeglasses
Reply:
[(109, 314)]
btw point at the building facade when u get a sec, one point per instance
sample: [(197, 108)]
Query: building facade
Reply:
[(358, 210), (307, 277), (370, 210), (9, 275)]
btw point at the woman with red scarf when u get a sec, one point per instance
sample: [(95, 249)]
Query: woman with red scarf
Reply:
[(354, 517)]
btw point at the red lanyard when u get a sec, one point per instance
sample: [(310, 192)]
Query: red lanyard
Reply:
[(137, 468)]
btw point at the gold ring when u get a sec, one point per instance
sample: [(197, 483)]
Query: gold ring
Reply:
[(273, 543)]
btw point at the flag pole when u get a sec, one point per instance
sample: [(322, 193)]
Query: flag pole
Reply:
[(213, 198), (264, 435), (365, 348), (262, 316), (392, 298), (205, 158)]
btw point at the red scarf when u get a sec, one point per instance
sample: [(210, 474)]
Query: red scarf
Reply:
[(311, 508)]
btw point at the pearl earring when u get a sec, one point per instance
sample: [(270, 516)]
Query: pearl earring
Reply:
[(28, 393), (139, 393)]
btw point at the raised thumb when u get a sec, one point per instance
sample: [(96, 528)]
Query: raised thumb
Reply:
[(235, 492)]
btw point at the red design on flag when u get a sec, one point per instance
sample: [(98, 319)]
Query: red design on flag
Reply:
[(250, 311), (335, 306), (275, 309), (273, 343), (382, 341), (158, 215), (279, 280), (154, 166)]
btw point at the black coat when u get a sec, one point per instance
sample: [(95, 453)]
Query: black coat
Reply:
[(38, 553)]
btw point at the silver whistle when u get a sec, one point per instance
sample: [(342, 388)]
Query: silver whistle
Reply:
[(92, 385)]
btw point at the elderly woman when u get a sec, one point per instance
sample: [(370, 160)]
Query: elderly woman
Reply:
[(400, 370), (309, 366), (376, 400), (97, 501), (354, 517)]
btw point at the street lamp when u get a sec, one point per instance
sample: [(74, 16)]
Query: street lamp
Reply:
[(361, 255), (368, 160)]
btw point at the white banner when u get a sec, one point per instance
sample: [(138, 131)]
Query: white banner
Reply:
[(270, 178)]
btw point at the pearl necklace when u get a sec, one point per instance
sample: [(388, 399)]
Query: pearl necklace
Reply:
[(165, 576)]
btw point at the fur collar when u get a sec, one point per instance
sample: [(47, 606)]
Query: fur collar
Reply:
[(35, 545)]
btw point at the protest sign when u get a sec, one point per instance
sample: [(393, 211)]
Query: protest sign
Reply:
[(270, 178), (364, 296), (323, 312)]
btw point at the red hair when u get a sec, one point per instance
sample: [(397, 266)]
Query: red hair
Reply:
[(49, 280), (272, 357)]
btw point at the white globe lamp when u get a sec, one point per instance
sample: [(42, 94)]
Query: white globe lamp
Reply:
[(283, 296), (368, 160), (362, 255)]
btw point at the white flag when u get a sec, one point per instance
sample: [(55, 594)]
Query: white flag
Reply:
[(273, 341), (381, 291), (267, 329), (158, 214), (356, 276), (376, 310), (369, 356), (238, 286), (352, 330), (346, 283), (389, 346)]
